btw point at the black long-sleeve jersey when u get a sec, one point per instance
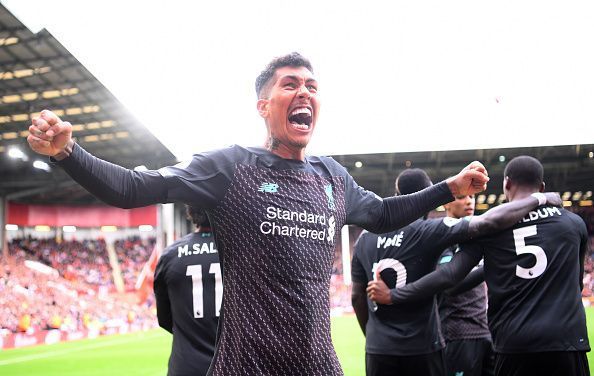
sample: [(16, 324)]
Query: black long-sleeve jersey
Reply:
[(275, 221), (463, 314), (189, 291), (534, 276), (403, 256)]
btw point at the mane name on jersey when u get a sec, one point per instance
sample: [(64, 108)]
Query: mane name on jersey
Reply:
[(197, 249), (539, 213), (394, 241)]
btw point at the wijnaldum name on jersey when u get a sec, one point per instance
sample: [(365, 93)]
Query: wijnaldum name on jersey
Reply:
[(541, 213)]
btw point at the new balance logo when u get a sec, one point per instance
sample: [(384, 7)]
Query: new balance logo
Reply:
[(268, 188)]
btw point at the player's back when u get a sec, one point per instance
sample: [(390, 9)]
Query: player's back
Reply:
[(403, 256), (188, 277), (533, 274)]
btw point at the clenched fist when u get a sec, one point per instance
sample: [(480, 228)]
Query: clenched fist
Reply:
[(48, 135), (472, 179)]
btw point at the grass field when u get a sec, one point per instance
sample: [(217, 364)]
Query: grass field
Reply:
[(146, 353)]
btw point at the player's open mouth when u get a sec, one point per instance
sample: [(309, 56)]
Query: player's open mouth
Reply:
[(300, 118)]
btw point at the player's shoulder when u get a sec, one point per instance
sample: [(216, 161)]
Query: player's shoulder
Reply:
[(365, 236), (230, 154), (576, 220), (329, 163), (444, 222), (171, 250), (207, 163)]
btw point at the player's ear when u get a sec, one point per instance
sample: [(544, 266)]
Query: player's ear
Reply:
[(506, 183), (263, 106), (542, 187)]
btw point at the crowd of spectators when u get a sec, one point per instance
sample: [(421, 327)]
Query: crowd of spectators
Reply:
[(33, 299), (589, 272), (68, 285), (132, 254), (85, 261)]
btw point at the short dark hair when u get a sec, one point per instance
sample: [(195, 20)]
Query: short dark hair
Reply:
[(294, 59), (412, 180), (525, 171), (197, 216)]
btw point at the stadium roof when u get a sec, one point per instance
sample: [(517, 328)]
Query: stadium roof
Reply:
[(566, 168), (394, 76), (37, 72)]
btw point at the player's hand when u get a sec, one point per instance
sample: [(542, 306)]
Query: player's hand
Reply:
[(553, 199), (472, 179), (48, 135), (378, 291)]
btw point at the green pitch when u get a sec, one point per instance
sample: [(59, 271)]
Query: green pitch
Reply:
[(146, 353)]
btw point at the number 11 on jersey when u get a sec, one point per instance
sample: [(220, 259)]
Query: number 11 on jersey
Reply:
[(195, 271)]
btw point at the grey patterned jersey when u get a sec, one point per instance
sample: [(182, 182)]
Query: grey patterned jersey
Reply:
[(464, 315), (276, 298)]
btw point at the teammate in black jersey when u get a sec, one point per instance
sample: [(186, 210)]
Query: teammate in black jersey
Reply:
[(463, 311), (189, 290), (275, 213), (406, 340), (534, 275)]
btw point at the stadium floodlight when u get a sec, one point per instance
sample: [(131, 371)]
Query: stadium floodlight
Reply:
[(69, 228), (42, 228), (566, 203), (591, 154), (109, 228), (42, 166), (358, 164), (17, 153), (491, 199), (11, 227), (566, 196), (576, 196), (145, 228), (502, 158)]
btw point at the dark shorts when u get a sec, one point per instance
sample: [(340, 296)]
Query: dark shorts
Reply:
[(432, 364), (554, 363), (470, 357)]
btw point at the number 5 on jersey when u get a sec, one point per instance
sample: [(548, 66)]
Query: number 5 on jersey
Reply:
[(195, 271), (521, 248)]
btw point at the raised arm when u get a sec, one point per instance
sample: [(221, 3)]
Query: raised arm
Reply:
[(113, 184), (384, 215), (506, 215)]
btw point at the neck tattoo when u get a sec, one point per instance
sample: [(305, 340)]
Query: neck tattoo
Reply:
[(272, 143)]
